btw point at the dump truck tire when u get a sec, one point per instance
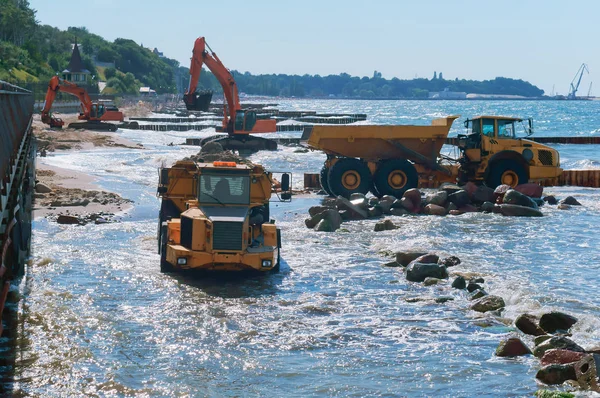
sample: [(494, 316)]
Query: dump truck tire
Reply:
[(506, 171), (394, 177), (323, 180), (348, 176), (165, 266)]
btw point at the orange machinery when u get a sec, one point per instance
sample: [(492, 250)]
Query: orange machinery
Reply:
[(237, 122), (93, 114)]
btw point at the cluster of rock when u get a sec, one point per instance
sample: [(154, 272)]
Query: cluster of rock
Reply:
[(93, 218), (56, 196), (524, 200), (214, 152), (561, 358)]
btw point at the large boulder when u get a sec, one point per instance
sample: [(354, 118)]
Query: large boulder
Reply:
[(477, 294), (42, 188), (459, 283), (551, 200), (414, 195), (500, 190), (356, 211), (471, 287), (313, 211), (528, 324), (519, 211), (488, 303), (434, 210), (468, 208), (569, 200), (428, 258), (417, 272), (514, 197), (555, 320), (406, 258), (561, 342), (429, 281), (330, 221), (449, 187), (438, 198), (67, 219), (399, 212), (530, 189), (512, 347), (385, 225), (459, 198), (386, 204), (556, 374), (540, 339), (483, 194), (561, 356), (374, 212)]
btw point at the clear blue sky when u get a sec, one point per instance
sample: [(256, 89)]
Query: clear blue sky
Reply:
[(542, 41)]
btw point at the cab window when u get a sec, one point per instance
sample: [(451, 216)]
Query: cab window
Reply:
[(488, 127), (506, 129)]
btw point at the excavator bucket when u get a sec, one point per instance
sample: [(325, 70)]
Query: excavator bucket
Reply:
[(198, 101)]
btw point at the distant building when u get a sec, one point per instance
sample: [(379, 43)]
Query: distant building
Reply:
[(76, 72), (159, 53), (447, 94), (147, 92)]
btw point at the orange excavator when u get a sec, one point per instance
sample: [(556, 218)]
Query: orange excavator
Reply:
[(93, 114), (237, 122)]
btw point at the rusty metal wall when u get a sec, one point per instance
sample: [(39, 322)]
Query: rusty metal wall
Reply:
[(16, 109)]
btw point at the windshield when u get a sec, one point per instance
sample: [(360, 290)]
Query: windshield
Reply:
[(225, 189), (506, 129)]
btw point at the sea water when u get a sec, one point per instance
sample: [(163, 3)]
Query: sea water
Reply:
[(101, 320)]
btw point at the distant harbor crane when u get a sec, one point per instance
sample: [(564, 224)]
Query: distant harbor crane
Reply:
[(575, 86), (590, 91)]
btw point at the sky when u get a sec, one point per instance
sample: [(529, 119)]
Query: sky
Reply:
[(540, 41)]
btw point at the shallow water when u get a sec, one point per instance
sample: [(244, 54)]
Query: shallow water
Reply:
[(101, 319)]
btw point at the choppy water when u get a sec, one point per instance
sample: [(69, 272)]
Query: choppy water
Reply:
[(101, 320)]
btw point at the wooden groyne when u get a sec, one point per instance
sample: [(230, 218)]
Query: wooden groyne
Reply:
[(548, 140)]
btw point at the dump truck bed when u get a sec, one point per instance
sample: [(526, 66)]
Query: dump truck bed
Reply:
[(378, 142)]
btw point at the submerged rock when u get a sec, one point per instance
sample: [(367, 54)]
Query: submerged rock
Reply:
[(429, 281), (519, 211), (428, 258), (569, 200), (471, 287), (550, 199), (392, 264), (417, 272), (512, 347), (477, 294), (405, 258), (555, 320), (66, 219), (488, 303), (449, 261), (540, 339), (459, 283), (385, 225), (528, 324)]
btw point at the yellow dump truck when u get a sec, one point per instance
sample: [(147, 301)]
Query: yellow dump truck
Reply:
[(215, 216), (390, 159)]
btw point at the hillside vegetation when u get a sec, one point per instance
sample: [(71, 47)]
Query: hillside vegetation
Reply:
[(32, 53)]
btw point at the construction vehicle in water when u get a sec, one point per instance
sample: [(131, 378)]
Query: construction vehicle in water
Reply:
[(238, 123), (94, 115), (388, 160), (216, 217)]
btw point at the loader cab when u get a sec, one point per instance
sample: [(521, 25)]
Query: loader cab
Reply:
[(97, 111), (245, 120)]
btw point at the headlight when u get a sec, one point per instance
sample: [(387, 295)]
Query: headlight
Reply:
[(266, 263), (182, 260)]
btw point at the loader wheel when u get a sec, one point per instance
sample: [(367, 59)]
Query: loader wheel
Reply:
[(323, 180), (394, 177), (348, 176), (165, 266), (506, 171)]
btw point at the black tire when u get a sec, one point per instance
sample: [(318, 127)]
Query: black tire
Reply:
[(277, 266), (395, 176), (348, 176), (323, 180), (506, 171), (165, 266)]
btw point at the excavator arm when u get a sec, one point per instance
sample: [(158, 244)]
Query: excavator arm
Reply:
[(235, 120), (90, 112)]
